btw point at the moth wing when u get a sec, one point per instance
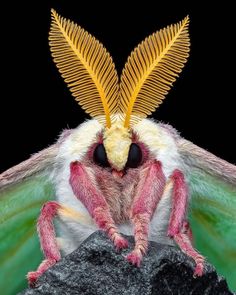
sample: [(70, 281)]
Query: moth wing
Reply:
[(212, 207), (23, 190)]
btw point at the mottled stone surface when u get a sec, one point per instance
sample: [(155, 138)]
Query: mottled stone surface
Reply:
[(96, 268)]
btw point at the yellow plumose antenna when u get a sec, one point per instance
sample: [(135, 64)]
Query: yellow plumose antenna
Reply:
[(86, 67), (151, 70)]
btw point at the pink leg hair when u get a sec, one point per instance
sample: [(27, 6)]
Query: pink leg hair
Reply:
[(179, 203), (179, 229), (47, 239), (149, 193), (86, 191)]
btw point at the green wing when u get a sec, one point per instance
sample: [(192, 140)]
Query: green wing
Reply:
[(23, 190), (213, 208)]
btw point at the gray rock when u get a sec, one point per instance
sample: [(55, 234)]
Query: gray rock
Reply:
[(96, 268)]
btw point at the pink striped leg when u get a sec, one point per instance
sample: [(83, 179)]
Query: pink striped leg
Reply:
[(86, 191), (183, 240), (178, 228), (47, 239), (150, 190)]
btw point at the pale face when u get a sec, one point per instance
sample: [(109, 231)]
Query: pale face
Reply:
[(125, 156)]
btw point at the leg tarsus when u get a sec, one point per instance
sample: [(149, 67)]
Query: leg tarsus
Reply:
[(105, 222), (33, 276), (47, 240), (183, 240), (141, 224), (179, 228), (151, 187)]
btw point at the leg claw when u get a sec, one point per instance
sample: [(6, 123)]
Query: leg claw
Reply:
[(120, 243), (135, 257), (32, 278), (198, 270)]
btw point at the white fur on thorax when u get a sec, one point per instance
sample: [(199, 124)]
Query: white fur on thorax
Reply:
[(160, 220), (161, 144)]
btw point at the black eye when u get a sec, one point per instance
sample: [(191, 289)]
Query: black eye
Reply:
[(134, 157), (100, 156)]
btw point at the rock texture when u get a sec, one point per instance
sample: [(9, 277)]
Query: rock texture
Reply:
[(96, 268)]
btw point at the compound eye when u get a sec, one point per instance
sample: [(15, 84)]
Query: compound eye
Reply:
[(100, 156), (135, 156)]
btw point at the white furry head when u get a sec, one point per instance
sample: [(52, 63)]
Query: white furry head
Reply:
[(160, 142), (76, 145)]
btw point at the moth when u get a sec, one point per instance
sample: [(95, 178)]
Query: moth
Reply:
[(119, 172)]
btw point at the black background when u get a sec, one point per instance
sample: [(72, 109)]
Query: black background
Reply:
[(36, 104)]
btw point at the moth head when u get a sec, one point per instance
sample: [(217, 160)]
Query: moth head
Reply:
[(90, 74), (117, 141), (119, 149)]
